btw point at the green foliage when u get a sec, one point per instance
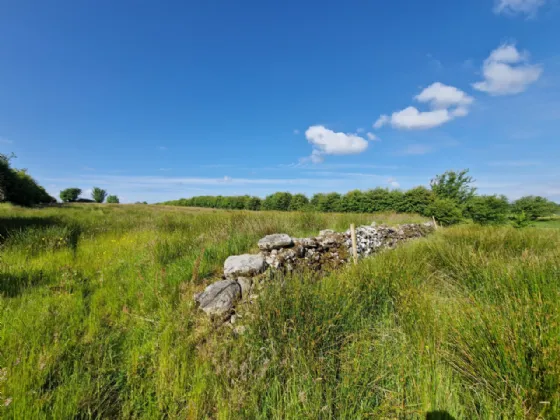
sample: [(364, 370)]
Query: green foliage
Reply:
[(328, 203), (298, 202), (253, 203), (113, 199), (534, 207), (520, 220), (445, 210), (278, 201), (453, 185), (70, 195), (487, 209), (379, 199), (416, 200), (98, 194), (18, 187)]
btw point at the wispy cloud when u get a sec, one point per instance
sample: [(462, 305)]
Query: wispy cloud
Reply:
[(514, 163), (162, 147), (514, 7), (4, 140)]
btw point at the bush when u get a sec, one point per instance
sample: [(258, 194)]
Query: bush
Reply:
[(70, 195), (534, 207), (113, 199), (416, 200), (453, 185), (18, 187), (298, 202), (487, 209), (445, 211), (98, 194)]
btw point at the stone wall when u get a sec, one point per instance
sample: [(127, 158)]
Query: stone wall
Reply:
[(279, 252)]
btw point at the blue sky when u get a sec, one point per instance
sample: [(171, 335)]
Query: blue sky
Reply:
[(162, 100)]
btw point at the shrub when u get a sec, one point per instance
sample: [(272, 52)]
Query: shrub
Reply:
[(18, 187), (298, 202), (98, 194), (70, 194), (416, 200), (445, 210), (253, 203), (520, 220), (453, 185), (113, 199), (534, 207), (487, 209)]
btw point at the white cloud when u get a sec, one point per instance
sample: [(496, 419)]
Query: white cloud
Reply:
[(441, 96), (528, 7), (412, 119), (507, 71), (393, 183), (446, 103), (227, 179), (360, 130), (381, 121), (372, 137), (328, 142), (296, 131)]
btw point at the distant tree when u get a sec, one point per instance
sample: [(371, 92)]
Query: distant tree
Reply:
[(278, 201), (379, 199), (456, 186), (113, 199), (445, 210), (534, 207), (70, 194), (354, 202), (298, 202), (487, 209), (416, 200), (98, 194), (253, 203), (329, 203)]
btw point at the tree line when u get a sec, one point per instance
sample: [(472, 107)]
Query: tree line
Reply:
[(450, 199), (98, 195)]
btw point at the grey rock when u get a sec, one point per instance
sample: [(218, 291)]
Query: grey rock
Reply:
[(326, 232), (218, 299), (246, 284), (307, 242), (245, 265), (276, 241)]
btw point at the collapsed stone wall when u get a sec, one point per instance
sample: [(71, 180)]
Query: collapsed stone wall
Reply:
[(243, 274)]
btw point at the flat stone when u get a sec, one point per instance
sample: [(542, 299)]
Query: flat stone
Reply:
[(276, 241), (245, 265), (218, 299)]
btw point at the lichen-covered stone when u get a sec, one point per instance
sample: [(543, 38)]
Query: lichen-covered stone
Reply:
[(276, 241), (218, 299), (245, 265)]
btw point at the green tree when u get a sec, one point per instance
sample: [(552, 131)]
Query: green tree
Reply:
[(487, 209), (278, 201), (379, 199), (445, 210), (456, 186), (416, 200), (113, 199), (534, 207), (327, 202), (355, 201), (253, 203), (70, 195), (98, 194), (298, 202)]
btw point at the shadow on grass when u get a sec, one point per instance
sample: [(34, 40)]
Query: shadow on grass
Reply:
[(11, 224), (439, 415), (13, 285)]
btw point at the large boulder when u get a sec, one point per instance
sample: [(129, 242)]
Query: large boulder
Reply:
[(245, 265), (218, 299), (276, 241)]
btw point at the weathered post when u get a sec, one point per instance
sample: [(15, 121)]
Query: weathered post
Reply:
[(435, 224), (354, 246)]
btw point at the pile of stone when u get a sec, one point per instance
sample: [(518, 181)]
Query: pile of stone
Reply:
[(281, 253)]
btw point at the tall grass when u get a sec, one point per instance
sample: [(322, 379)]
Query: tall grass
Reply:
[(97, 321)]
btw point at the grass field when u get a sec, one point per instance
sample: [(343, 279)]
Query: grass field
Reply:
[(97, 321)]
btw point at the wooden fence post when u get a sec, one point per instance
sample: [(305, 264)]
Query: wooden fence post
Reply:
[(435, 224), (354, 246)]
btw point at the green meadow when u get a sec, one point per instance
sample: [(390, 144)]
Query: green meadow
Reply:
[(97, 320)]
